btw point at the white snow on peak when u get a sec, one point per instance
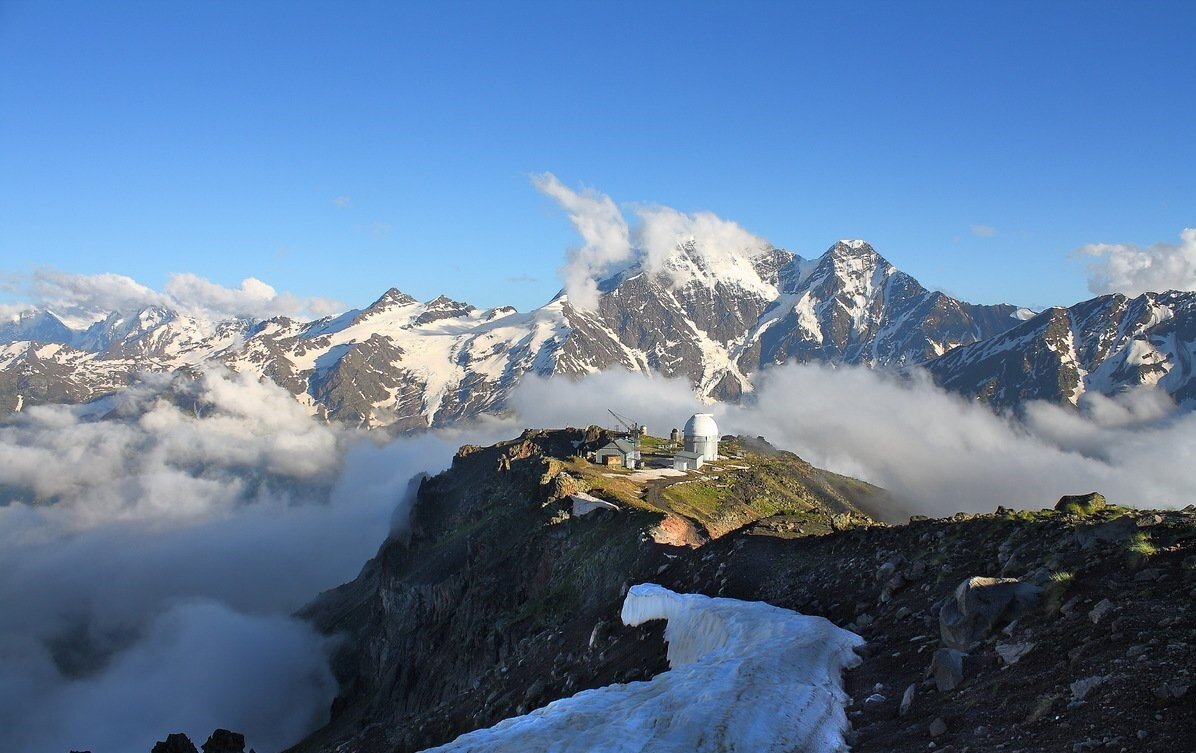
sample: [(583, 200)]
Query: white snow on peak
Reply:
[(855, 245), (1024, 314), (744, 677)]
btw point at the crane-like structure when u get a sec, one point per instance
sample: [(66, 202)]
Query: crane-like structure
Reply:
[(634, 429)]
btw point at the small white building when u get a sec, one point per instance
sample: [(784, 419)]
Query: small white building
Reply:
[(687, 461), (701, 436)]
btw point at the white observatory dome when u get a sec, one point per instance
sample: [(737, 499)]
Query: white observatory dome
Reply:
[(701, 425), (701, 436)]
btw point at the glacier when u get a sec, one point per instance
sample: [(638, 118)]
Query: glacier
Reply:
[(743, 676)]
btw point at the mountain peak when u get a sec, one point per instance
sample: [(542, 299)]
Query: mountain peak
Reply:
[(392, 297), (444, 302), (852, 249)]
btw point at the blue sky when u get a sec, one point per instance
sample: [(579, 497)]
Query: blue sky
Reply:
[(336, 149)]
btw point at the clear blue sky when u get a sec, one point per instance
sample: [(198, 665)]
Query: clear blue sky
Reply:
[(154, 137)]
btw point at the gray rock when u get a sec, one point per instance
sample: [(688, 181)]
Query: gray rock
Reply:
[(981, 604), (1100, 611), (938, 727), (1081, 688), (946, 666), (907, 699), (1012, 653), (1082, 504)]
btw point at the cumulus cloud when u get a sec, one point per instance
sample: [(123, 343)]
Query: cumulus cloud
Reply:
[(984, 231), (935, 452), (157, 552), (610, 245), (712, 239), (90, 297), (11, 311), (1133, 270), (99, 293), (606, 241)]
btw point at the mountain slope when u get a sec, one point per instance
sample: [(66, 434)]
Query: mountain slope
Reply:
[(496, 600), (1103, 345), (504, 598)]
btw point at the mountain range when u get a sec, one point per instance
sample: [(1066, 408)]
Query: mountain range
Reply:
[(716, 321)]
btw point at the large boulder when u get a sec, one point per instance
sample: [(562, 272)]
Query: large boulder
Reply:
[(224, 741), (1082, 504), (979, 606), (175, 743)]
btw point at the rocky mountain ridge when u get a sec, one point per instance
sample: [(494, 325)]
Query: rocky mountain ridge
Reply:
[(1066, 629), (406, 364)]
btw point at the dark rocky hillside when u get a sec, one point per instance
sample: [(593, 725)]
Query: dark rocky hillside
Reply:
[(502, 599)]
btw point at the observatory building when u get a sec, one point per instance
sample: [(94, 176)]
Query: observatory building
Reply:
[(701, 436)]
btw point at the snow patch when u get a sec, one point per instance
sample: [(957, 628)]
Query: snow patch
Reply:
[(584, 504), (745, 676)]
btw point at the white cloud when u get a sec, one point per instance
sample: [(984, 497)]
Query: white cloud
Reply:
[(715, 241), (984, 231), (87, 294), (84, 298), (342, 201), (606, 239), (1132, 270), (11, 311), (609, 244)]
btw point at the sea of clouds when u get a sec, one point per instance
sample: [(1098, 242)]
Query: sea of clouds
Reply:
[(150, 559)]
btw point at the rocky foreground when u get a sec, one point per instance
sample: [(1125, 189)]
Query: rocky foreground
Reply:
[(1051, 630)]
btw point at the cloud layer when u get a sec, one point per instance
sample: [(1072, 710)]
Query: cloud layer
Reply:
[(156, 556), (89, 297), (1132, 270)]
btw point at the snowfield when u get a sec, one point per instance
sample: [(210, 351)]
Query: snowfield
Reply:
[(744, 676)]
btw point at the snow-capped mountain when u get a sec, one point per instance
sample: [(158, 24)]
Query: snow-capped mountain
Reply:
[(1102, 345), (715, 321), (849, 305)]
